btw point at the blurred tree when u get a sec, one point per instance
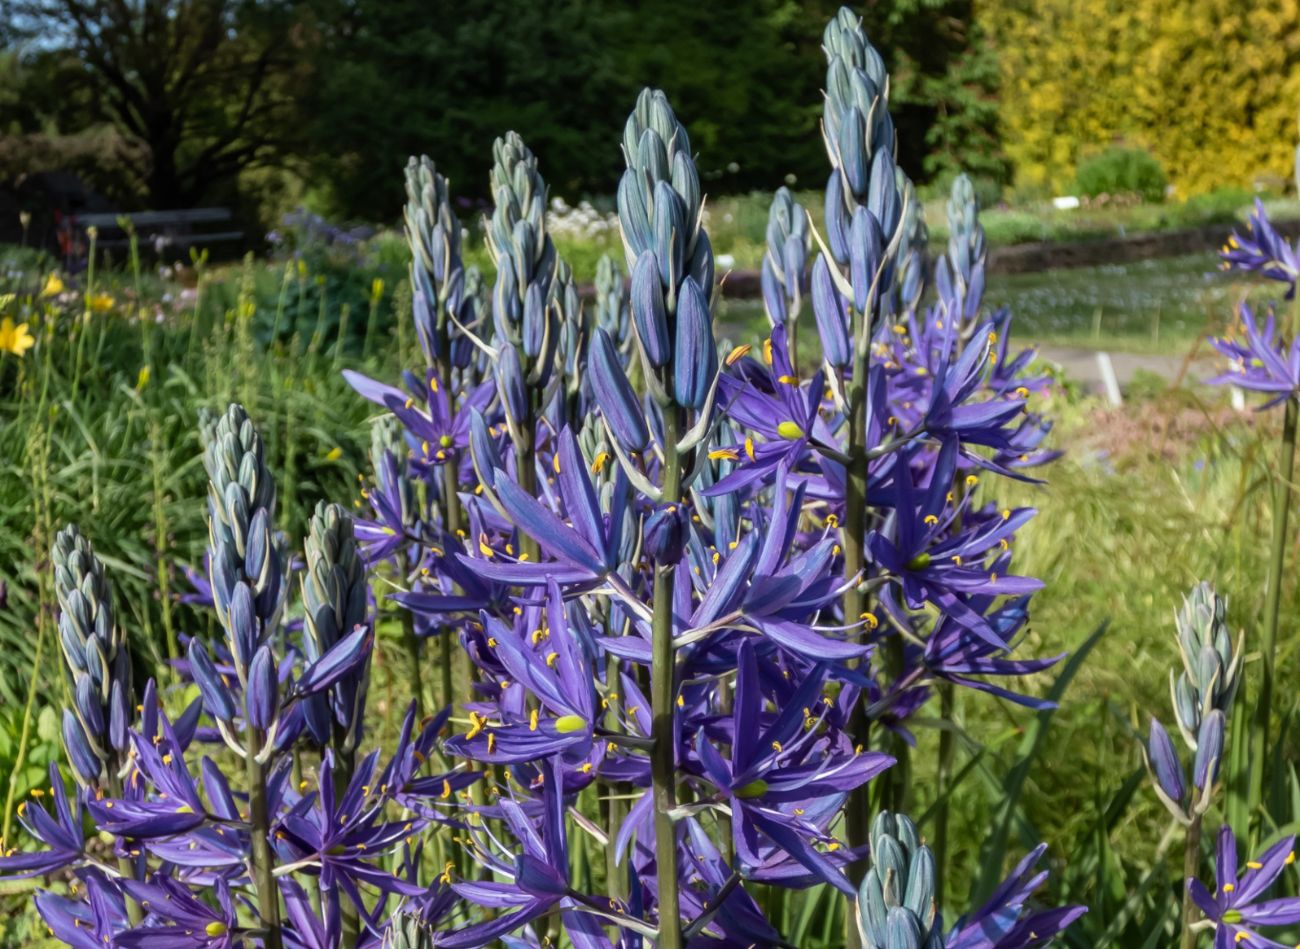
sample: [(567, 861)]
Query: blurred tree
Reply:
[(944, 96), (445, 77), (205, 86)]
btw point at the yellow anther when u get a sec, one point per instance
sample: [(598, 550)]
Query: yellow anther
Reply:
[(749, 447), (598, 465), (931, 519), (532, 720), (740, 352), (870, 619), (726, 454)]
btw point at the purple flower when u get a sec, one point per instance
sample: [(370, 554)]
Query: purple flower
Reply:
[(1235, 906), (542, 658), (92, 924), (780, 767), (1261, 249), (539, 878), (337, 836), (1004, 922), (932, 560), (179, 918), (62, 832), (1261, 362)]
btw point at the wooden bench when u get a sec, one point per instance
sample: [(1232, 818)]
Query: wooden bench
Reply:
[(174, 228)]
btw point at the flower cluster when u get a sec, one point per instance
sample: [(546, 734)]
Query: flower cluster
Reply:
[(694, 594), (1202, 700)]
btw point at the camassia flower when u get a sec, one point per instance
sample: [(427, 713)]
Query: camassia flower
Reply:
[(180, 918), (775, 405), (1261, 249), (781, 767), (340, 836), (931, 559), (542, 659), (538, 877), (1262, 361), (63, 832), (1235, 907)]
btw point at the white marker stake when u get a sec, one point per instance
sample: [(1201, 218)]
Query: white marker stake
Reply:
[(1238, 399), (1109, 380)]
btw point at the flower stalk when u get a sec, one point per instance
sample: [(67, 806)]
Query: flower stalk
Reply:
[(1272, 602), (1191, 867), (663, 697)]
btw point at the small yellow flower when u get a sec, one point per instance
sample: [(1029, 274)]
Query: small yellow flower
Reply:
[(334, 454), (377, 288), (15, 339), (99, 302), (53, 286), (142, 379)]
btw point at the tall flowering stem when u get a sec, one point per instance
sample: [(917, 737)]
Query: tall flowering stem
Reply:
[(862, 221), (1282, 492), (1202, 697), (1265, 361), (246, 587)]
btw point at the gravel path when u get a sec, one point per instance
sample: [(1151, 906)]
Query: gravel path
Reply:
[(1081, 364)]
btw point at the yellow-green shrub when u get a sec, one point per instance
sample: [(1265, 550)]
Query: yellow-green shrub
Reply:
[(1210, 87)]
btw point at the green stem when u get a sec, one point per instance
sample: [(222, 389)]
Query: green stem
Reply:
[(268, 897), (124, 865), (663, 690), (24, 735), (160, 530), (350, 922), (1191, 866), (415, 680), (526, 463), (613, 807), (944, 791), (853, 534), (1273, 601)]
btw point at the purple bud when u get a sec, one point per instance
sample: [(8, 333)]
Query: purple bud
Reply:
[(1209, 750), (837, 219), (618, 403), (633, 215), (695, 360), (119, 717), (85, 763), (262, 698), (483, 450), (883, 200), (852, 152), (648, 312), (666, 532), (832, 319), (535, 318), (1164, 763), (864, 256), (216, 695), (670, 233), (89, 709), (773, 294), (242, 625), (510, 385)]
